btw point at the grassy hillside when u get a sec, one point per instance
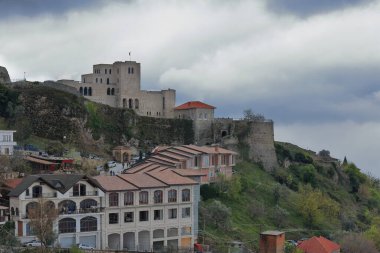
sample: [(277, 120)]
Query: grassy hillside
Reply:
[(314, 195)]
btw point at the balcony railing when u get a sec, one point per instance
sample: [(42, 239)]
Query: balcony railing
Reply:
[(82, 210), (42, 195), (88, 193), (77, 211)]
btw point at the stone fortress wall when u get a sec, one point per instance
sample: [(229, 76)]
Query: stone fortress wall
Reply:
[(4, 76), (119, 85)]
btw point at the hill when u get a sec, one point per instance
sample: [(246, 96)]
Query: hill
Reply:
[(42, 115), (313, 195)]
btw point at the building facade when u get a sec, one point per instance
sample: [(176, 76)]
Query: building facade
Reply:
[(205, 161), (202, 116), (6, 142), (119, 85), (77, 200), (150, 211)]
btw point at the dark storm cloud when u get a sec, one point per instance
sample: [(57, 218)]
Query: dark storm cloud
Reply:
[(305, 8), (33, 8)]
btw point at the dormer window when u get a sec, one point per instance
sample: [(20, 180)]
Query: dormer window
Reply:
[(37, 191), (79, 190), (27, 192)]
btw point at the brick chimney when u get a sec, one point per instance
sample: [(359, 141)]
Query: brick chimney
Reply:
[(272, 242), (216, 146)]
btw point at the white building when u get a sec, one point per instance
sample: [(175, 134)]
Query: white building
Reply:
[(77, 200), (6, 142), (149, 211)]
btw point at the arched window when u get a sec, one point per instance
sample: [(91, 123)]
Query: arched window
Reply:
[(101, 80), (136, 103), (88, 203), (172, 196), (185, 195), (113, 91), (124, 102), (85, 91), (66, 207), (114, 199), (88, 224), (89, 91), (67, 225), (129, 70), (17, 212), (31, 206), (109, 71), (12, 211), (108, 81), (143, 200), (49, 205), (158, 196), (81, 90), (96, 80), (128, 198), (108, 91), (105, 71), (130, 103), (37, 191)]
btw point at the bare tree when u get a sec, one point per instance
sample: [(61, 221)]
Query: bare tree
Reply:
[(251, 116), (356, 243), (42, 217)]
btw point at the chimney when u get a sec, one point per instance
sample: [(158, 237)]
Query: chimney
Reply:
[(272, 242), (216, 147)]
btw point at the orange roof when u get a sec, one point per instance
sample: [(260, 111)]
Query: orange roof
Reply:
[(318, 245), (142, 180), (12, 183), (193, 105), (171, 178), (190, 172), (113, 183)]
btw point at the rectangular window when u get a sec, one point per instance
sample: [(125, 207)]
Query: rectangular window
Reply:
[(144, 216), (128, 217), (113, 218), (128, 198), (186, 212), (158, 214), (114, 199), (172, 213), (206, 161)]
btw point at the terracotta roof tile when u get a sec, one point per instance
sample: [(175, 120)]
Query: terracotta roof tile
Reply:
[(193, 105), (114, 183), (189, 172), (142, 180), (318, 245), (171, 178)]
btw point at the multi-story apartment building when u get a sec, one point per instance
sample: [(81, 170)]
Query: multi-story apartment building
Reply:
[(6, 142), (149, 211), (208, 161), (77, 199), (141, 211), (119, 85)]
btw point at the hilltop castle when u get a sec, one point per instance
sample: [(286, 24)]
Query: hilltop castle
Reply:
[(119, 85)]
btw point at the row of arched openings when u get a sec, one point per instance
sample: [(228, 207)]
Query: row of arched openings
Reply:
[(64, 207), (69, 225), (86, 91), (130, 103)]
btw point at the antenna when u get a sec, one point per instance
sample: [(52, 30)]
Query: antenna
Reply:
[(130, 56)]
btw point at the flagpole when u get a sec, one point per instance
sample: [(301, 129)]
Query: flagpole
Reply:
[(129, 56)]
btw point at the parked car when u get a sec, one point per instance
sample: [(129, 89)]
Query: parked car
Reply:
[(33, 243), (84, 246)]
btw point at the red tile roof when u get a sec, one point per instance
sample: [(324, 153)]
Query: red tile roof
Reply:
[(193, 105), (171, 178), (318, 245), (142, 180), (12, 183), (114, 183)]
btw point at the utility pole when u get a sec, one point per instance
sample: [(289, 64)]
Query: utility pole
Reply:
[(24, 76)]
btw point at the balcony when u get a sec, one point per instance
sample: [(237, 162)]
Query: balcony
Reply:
[(3, 219), (42, 195), (83, 211), (80, 194)]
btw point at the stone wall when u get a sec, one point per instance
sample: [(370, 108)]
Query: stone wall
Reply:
[(4, 76), (252, 139)]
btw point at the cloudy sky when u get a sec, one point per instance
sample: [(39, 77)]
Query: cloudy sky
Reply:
[(311, 66)]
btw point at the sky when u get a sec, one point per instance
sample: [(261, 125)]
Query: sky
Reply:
[(313, 67)]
